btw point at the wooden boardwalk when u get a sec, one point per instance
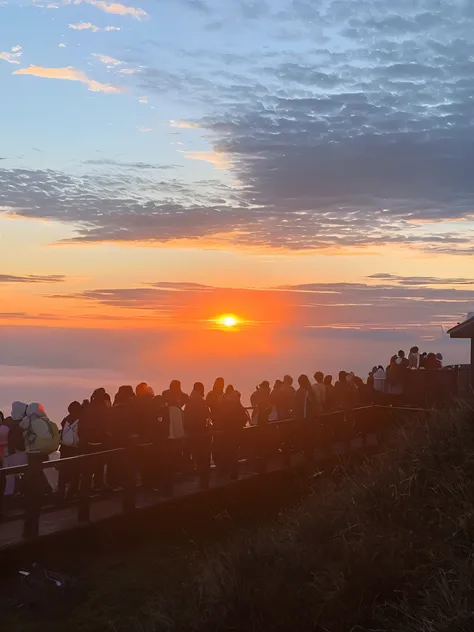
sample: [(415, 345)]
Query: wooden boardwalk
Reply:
[(102, 508)]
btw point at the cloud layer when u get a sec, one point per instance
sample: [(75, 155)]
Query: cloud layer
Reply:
[(361, 135)]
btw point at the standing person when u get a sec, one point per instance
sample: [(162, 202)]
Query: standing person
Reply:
[(93, 434), (345, 391), (175, 399), (196, 425), (305, 402), (402, 360), (414, 358), (122, 423), (214, 401), (275, 400), (319, 391), (380, 384), (262, 404), (235, 417), (287, 397), (40, 435), (16, 446), (69, 476), (329, 393), (396, 378)]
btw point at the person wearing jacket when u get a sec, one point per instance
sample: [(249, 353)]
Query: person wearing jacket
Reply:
[(36, 413), (69, 476), (196, 425), (234, 419), (16, 453), (93, 435)]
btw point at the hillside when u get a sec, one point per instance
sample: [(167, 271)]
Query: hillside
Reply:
[(388, 546)]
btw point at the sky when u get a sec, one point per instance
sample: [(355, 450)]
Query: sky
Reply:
[(305, 165)]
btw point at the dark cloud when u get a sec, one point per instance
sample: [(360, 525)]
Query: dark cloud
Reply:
[(32, 278), (401, 302)]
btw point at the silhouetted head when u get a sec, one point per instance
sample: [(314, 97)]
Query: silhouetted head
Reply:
[(414, 350), (150, 393), (124, 394), (288, 380), (198, 388), (175, 386), (393, 359), (264, 387), (401, 353), (439, 357), (218, 385), (74, 409), (342, 376), (278, 384), (141, 389), (319, 377), (229, 389), (2, 417), (304, 382), (328, 380), (98, 394)]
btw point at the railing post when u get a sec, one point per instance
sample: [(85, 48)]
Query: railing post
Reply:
[(262, 448), (86, 470), (131, 462), (33, 494), (286, 443)]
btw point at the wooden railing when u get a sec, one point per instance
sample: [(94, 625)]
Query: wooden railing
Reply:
[(275, 442)]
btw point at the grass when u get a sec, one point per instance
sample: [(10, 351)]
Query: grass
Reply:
[(389, 546)]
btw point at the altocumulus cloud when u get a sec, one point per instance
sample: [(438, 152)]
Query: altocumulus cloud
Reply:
[(70, 74)]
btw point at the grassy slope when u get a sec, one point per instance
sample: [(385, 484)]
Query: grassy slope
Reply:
[(388, 548)]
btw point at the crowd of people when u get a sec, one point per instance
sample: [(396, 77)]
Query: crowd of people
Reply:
[(100, 423)]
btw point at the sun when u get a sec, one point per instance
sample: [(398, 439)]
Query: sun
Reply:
[(227, 320)]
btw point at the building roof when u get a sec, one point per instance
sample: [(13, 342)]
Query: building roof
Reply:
[(463, 330)]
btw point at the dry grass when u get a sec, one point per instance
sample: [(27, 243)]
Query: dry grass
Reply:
[(388, 547)]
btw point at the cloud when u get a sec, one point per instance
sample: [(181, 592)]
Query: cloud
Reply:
[(143, 100), (32, 278), (218, 159), (84, 26), (70, 74), (62, 45), (105, 59), (115, 8), (142, 128), (185, 124), (12, 57), (107, 162)]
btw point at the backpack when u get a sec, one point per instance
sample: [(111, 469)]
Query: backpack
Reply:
[(42, 435), (69, 434)]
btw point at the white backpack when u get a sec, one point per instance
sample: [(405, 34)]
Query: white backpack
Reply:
[(69, 434)]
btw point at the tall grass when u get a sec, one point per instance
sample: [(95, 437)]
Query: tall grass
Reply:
[(388, 548)]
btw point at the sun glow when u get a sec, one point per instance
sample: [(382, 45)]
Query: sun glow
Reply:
[(227, 320)]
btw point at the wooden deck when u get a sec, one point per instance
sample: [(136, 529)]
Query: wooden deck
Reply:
[(102, 508)]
